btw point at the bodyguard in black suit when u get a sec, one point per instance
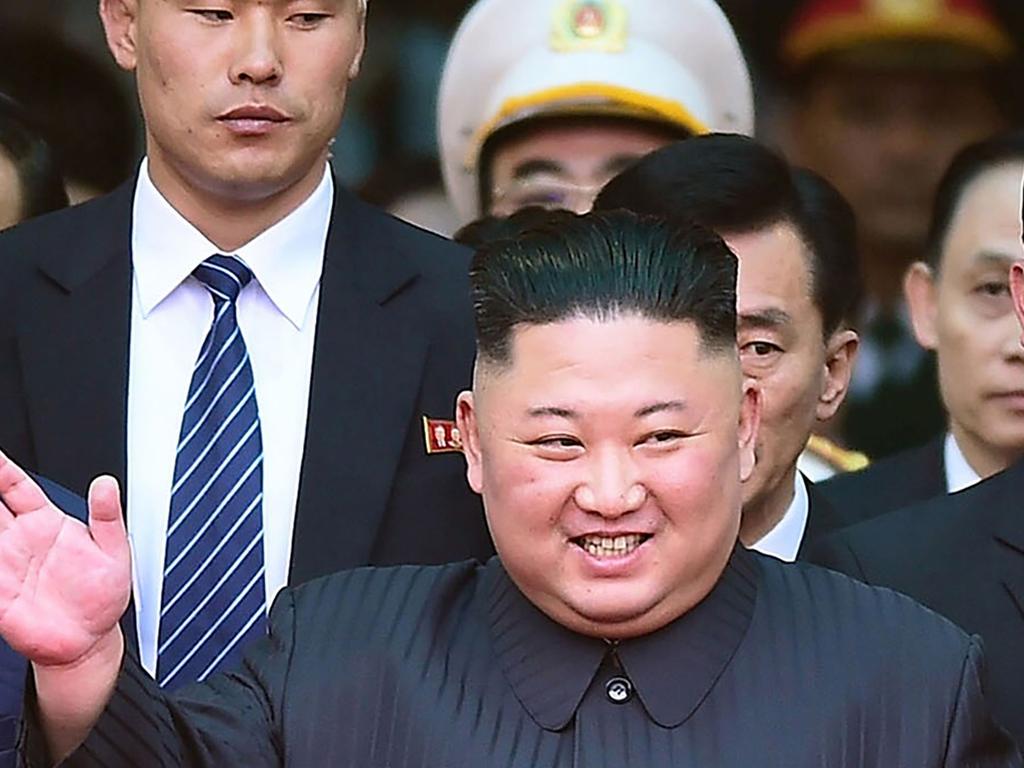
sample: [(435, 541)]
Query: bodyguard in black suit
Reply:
[(962, 555), (621, 625), (799, 287), (394, 345), (238, 142)]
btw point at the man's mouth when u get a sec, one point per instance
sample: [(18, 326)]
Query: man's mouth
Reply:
[(610, 546)]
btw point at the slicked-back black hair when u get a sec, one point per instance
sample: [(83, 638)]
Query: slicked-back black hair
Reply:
[(970, 163), (734, 185), (42, 185), (601, 265)]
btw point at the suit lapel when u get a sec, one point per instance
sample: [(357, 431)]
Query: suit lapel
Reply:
[(73, 348), (1009, 534), (821, 519), (367, 367)]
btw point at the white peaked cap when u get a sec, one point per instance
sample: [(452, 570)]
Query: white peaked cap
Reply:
[(675, 62)]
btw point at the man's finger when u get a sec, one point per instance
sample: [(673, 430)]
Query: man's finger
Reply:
[(106, 524), (18, 491)]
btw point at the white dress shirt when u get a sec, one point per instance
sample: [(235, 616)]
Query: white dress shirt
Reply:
[(171, 315), (959, 474), (783, 541)]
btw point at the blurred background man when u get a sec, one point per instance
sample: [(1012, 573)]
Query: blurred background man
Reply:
[(31, 183), (543, 101), (959, 300), (883, 93)]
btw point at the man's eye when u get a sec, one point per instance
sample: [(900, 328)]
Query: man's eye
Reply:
[(559, 441), (760, 348), (308, 20), (993, 288), (664, 437), (212, 14)]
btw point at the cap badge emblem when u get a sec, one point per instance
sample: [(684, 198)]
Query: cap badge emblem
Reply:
[(590, 25), (907, 11)]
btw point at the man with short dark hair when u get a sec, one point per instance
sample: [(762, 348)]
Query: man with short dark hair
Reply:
[(799, 284), (620, 625), (960, 304)]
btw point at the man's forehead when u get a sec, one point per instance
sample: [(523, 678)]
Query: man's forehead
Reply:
[(600, 348)]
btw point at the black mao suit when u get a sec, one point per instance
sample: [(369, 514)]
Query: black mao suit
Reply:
[(961, 554), (781, 666)]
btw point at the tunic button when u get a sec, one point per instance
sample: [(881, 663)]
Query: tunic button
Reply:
[(619, 690)]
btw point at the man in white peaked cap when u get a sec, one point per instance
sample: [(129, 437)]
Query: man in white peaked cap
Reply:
[(543, 101)]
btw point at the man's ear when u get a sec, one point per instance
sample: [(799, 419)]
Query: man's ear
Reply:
[(469, 431), (357, 61), (920, 289), (1017, 291), (750, 421), (840, 357), (120, 24)]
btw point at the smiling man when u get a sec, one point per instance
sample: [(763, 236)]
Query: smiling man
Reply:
[(608, 430), (236, 338)]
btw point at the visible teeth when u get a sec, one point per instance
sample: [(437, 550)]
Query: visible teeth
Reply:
[(606, 546)]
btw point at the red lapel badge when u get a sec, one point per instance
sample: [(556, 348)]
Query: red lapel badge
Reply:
[(442, 436)]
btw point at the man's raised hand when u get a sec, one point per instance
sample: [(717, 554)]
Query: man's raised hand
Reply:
[(63, 586)]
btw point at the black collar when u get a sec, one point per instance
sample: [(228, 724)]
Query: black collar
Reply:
[(550, 668)]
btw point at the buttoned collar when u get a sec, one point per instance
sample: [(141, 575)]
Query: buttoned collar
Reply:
[(550, 668), (286, 259)]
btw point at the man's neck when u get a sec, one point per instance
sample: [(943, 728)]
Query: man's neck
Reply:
[(983, 459), (227, 221), (761, 515)]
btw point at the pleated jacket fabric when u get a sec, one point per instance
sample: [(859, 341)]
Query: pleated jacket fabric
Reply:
[(451, 667)]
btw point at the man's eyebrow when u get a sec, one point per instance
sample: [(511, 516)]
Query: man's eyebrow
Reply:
[(765, 318), (653, 408), (552, 410), (995, 259), (536, 166), (618, 163)]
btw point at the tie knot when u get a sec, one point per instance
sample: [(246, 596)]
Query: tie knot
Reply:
[(224, 277)]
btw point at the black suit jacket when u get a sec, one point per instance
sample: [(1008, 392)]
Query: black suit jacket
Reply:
[(394, 343), (822, 518), (962, 555), (452, 667), (888, 484)]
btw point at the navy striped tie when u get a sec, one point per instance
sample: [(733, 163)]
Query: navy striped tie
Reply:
[(214, 598)]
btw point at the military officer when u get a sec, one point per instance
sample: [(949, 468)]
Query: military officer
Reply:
[(543, 101)]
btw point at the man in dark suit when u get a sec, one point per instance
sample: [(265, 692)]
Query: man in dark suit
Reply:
[(621, 624), (962, 555), (798, 288), (960, 305), (236, 422)]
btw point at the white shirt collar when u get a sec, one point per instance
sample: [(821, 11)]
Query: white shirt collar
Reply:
[(783, 541), (286, 260), (959, 474)]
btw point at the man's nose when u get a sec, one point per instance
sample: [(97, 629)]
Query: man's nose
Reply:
[(613, 486), (257, 60)]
